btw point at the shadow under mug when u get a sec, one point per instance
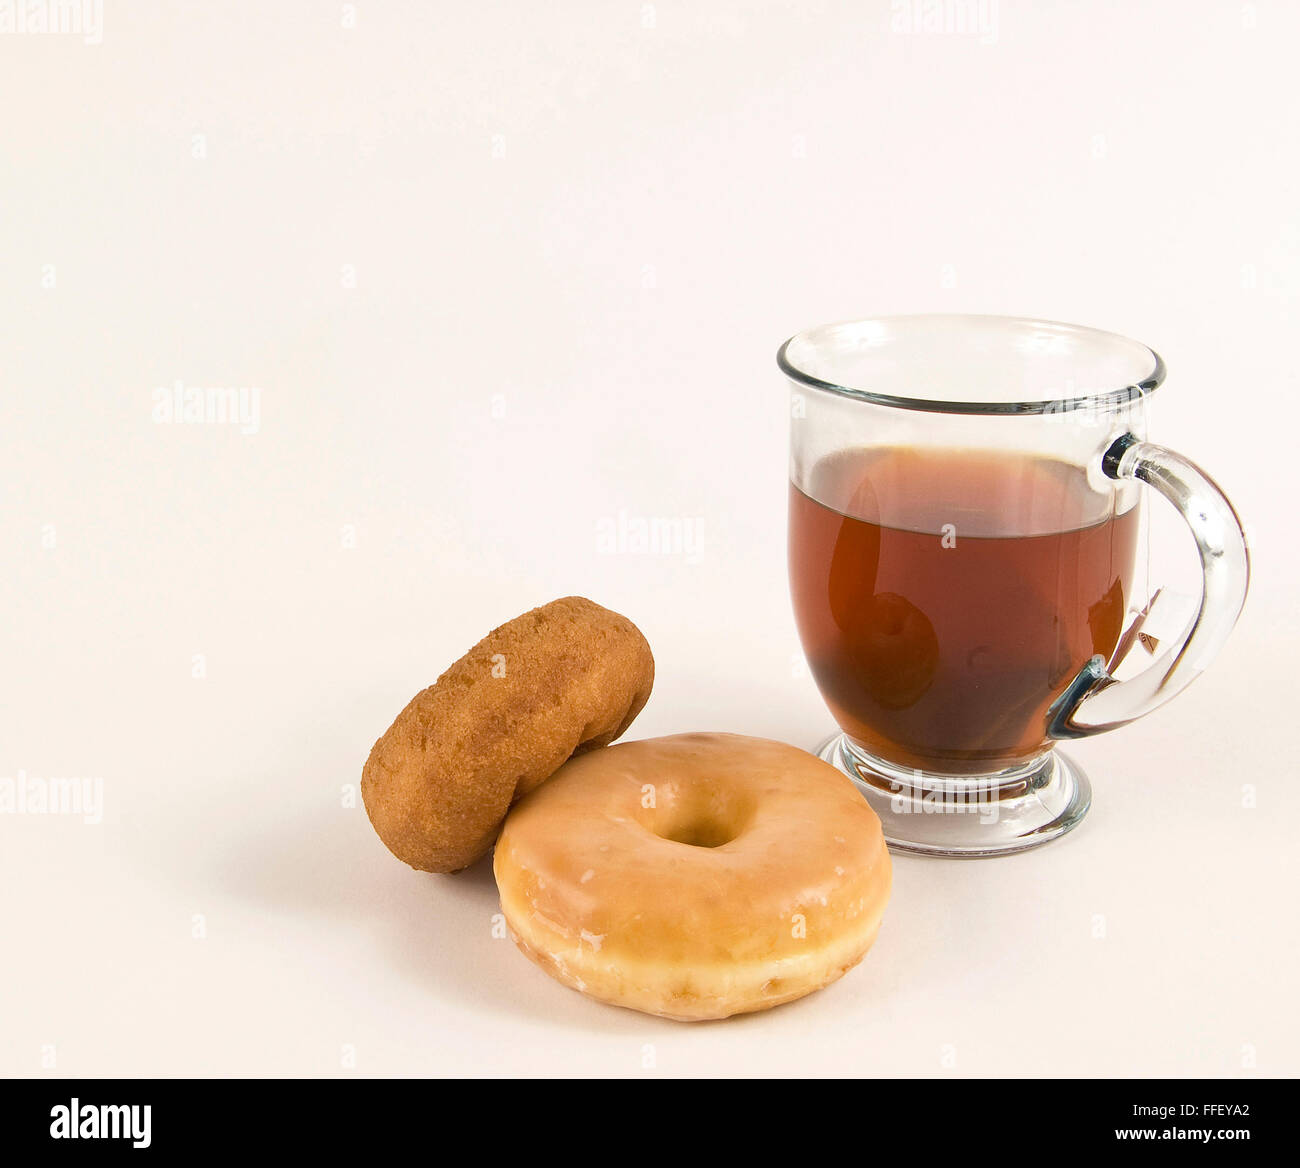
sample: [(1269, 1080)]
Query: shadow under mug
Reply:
[(965, 500)]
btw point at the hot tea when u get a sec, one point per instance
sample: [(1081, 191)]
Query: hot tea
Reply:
[(946, 598)]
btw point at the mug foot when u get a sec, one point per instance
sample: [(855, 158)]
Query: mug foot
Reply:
[(969, 817)]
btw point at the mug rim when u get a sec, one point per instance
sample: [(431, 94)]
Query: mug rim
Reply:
[(1107, 398)]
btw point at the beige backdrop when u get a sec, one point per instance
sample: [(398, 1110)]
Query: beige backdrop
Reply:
[(494, 278)]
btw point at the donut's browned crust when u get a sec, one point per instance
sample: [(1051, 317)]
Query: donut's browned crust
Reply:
[(561, 679)]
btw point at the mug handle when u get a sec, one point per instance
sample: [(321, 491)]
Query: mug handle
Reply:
[(1094, 701)]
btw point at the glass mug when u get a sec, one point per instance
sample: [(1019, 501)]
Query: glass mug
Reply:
[(965, 500)]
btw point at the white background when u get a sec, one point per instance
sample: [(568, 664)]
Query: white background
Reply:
[(501, 272)]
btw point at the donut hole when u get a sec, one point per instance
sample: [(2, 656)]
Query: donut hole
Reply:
[(701, 833), (708, 816)]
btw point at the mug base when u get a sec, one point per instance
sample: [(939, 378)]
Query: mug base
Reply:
[(968, 817)]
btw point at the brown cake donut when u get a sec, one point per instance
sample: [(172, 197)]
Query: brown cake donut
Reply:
[(567, 677)]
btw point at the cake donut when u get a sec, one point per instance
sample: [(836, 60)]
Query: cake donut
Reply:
[(557, 681), (694, 876)]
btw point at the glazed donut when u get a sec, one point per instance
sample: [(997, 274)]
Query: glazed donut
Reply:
[(695, 876), (561, 679)]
